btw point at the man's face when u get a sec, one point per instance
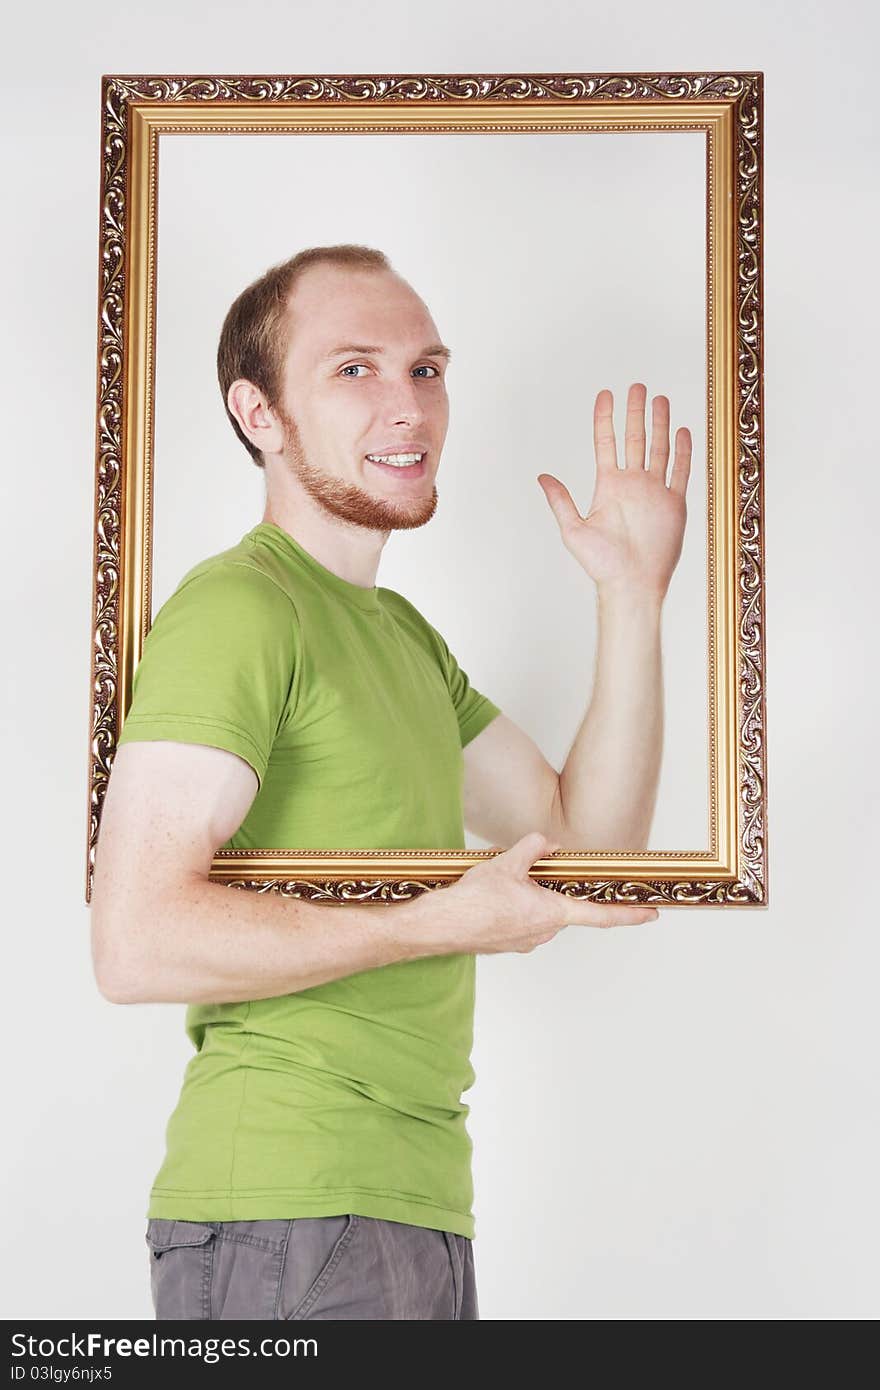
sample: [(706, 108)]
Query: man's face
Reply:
[(364, 379)]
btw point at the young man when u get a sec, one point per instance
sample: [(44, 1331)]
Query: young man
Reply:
[(318, 1163)]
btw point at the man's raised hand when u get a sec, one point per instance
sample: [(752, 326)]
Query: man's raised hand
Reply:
[(631, 537)]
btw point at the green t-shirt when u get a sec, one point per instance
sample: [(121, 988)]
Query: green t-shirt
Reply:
[(353, 713)]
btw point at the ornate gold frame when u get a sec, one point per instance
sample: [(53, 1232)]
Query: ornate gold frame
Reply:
[(728, 107)]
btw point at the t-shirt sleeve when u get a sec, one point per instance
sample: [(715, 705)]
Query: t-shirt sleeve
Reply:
[(218, 665), (473, 709)]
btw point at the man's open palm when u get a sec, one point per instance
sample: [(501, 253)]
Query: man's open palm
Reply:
[(631, 537)]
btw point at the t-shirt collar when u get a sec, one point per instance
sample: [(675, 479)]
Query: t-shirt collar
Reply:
[(365, 599)]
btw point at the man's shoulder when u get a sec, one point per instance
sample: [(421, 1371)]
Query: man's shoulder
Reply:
[(406, 612), (399, 604), (240, 579)]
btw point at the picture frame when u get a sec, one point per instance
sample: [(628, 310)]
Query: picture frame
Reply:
[(138, 113)]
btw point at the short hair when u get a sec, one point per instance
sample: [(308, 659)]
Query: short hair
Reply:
[(256, 330)]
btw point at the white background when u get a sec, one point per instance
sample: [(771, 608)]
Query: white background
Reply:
[(671, 1121), (545, 299)]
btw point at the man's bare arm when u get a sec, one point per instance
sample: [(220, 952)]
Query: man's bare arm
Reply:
[(605, 795), (509, 787), (629, 543), (608, 784), (162, 931)]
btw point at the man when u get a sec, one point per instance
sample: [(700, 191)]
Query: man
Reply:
[(318, 1162)]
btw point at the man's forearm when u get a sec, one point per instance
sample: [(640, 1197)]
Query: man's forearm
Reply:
[(208, 943), (608, 786)]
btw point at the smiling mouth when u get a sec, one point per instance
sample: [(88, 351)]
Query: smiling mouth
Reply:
[(407, 465)]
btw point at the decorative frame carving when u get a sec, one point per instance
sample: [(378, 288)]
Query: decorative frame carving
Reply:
[(728, 108)]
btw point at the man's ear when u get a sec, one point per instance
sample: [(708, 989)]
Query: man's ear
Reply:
[(255, 417)]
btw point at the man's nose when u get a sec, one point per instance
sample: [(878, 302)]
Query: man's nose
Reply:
[(404, 405)]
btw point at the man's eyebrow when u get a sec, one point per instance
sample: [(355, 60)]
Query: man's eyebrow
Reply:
[(435, 350)]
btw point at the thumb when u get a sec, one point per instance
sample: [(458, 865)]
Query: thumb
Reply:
[(522, 855), (560, 500)]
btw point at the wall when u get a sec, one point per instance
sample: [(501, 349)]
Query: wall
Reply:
[(673, 1121)]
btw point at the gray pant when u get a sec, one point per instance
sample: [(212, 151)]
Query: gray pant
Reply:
[(309, 1267)]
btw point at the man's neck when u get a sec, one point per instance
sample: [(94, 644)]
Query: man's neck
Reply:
[(351, 552)]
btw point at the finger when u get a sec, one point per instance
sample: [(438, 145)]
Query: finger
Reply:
[(622, 917), (634, 439), (659, 457), (576, 912), (522, 855), (604, 444), (681, 464), (560, 499)]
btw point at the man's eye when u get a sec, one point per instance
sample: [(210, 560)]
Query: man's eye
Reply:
[(353, 367)]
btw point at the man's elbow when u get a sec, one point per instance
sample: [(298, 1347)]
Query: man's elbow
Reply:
[(115, 985), (117, 996), (622, 837), (556, 828), (117, 979)]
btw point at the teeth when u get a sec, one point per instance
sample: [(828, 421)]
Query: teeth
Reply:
[(396, 460)]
